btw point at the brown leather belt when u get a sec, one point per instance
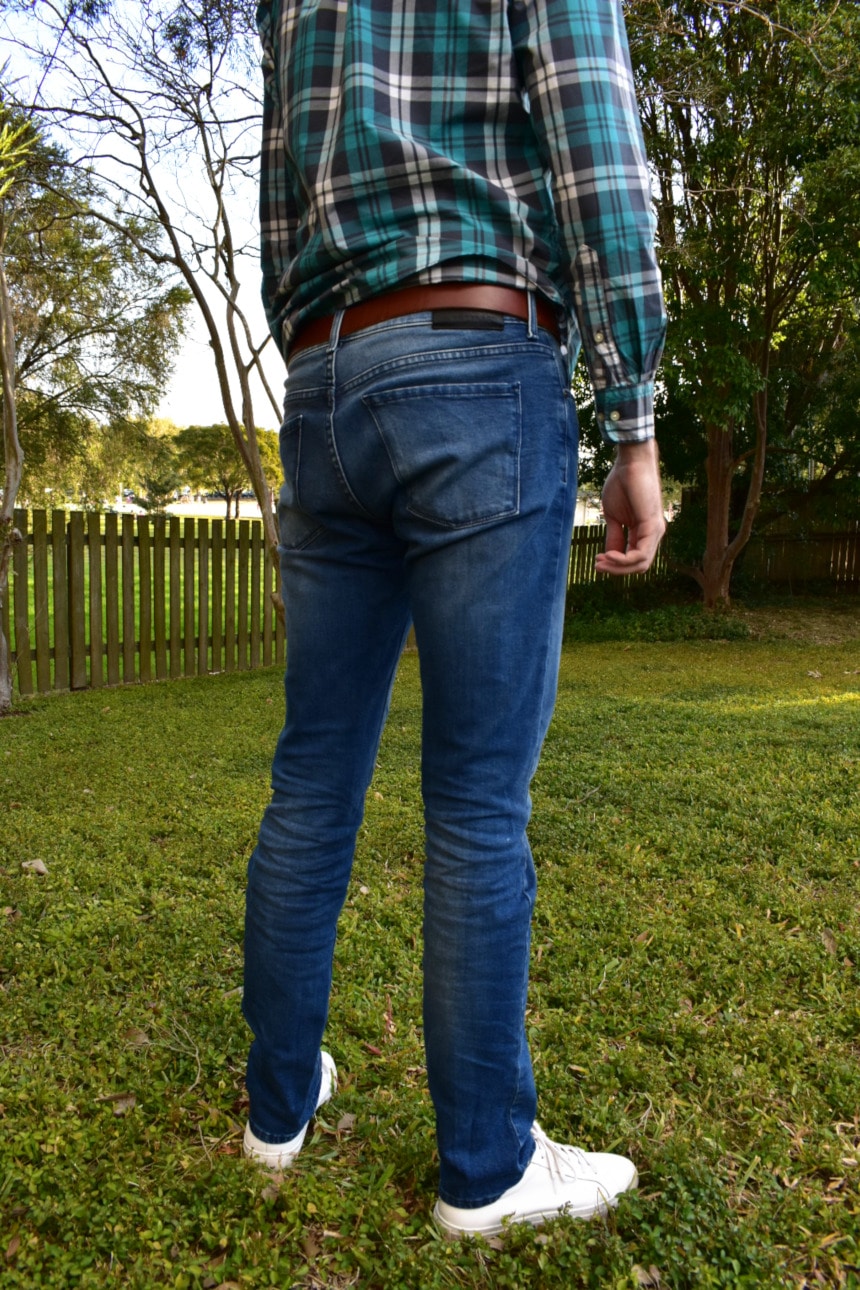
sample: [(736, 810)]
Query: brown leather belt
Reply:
[(484, 296)]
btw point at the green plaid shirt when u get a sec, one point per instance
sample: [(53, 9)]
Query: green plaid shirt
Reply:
[(424, 141)]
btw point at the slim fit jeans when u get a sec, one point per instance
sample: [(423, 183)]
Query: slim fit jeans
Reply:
[(430, 477)]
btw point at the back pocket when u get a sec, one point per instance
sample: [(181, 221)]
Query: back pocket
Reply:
[(455, 449), (296, 528)]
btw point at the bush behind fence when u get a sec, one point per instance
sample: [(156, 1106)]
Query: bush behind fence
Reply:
[(106, 599)]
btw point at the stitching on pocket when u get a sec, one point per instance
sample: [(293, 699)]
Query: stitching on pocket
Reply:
[(459, 467)]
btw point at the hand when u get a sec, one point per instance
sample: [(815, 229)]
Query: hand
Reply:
[(633, 510)]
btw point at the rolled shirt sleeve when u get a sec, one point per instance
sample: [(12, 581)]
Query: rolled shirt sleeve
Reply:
[(575, 64)]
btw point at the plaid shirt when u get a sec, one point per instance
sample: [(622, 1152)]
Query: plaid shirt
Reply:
[(425, 141)]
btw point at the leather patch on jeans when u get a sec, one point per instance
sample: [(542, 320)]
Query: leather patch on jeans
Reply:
[(467, 320)]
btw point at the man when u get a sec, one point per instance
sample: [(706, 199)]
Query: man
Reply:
[(454, 198)]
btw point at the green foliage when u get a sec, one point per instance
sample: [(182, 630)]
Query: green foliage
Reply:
[(270, 457), (96, 328), (751, 123), (603, 612), (693, 1001), (156, 475), (16, 142), (198, 35)]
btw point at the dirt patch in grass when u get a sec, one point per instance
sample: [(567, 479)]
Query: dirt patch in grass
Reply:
[(810, 622)]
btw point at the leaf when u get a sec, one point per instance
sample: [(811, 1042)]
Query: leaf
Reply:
[(816, 675), (646, 1277), (12, 1247), (35, 866), (829, 941), (346, 1123), (136, 1037), (122, 1102)]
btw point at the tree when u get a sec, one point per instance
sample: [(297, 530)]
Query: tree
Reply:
[(162, 97), (207, 460), (270, 459), (158, 467), (751, 122), (16, 143), (96, 329)]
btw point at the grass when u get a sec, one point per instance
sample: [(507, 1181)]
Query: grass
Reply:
[(694, 990)]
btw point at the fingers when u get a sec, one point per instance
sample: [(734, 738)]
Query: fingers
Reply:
[(634, 560), (616, 535)]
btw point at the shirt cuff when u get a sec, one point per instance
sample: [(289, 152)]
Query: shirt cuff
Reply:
[(626, 414)]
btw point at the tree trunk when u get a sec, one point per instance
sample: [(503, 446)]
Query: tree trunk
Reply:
[(14, 459), (721, 552), (720, 466)]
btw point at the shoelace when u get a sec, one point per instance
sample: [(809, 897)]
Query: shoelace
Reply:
[(562, 1160)]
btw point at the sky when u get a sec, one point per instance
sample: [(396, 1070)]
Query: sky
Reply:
[(193, 396)]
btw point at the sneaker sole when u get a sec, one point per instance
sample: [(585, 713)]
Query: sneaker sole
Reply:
[(534, 1218)]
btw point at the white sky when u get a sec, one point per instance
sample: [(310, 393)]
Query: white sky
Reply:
[(193, 396)]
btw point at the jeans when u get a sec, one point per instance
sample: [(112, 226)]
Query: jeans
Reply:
[(430, 478)]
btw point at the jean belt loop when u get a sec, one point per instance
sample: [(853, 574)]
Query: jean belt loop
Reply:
[(533, 322), (334, 334)]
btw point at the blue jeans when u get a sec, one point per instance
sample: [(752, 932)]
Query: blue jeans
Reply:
[(430, 477)]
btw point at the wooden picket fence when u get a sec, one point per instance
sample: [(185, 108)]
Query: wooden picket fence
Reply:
[(107, 599), (798, 560), (587, 541)]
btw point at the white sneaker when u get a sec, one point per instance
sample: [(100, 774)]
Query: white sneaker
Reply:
[(558, 1180), (280, 1155)]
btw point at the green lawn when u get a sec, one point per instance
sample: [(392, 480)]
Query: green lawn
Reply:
[(694, 999)]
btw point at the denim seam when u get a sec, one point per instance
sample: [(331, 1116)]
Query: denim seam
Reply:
[(331, 437), (422, 358)]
